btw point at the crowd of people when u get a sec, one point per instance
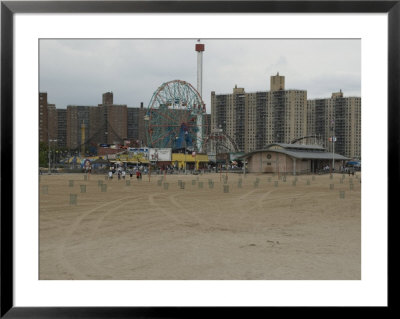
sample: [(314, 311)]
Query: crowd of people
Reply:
[(121, 172)]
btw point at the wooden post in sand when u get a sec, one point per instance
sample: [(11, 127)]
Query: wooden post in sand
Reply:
[(73, 199), (226, 168), (277, 161), (149, 171)]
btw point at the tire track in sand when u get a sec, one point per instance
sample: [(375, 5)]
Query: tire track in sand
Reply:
[(260, 204), (222, 203), (257, 205), (172, 199), (153, 203), (60, 252), (109, 212)]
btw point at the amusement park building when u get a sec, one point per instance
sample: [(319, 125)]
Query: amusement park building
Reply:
[(199, 161), (291, 159)]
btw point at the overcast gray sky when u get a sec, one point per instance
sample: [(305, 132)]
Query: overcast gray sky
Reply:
[(78, 72)]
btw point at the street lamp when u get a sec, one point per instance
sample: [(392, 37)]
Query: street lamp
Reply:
[(50, 155)]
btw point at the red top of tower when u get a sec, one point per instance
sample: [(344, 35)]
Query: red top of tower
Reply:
[(199, 47)]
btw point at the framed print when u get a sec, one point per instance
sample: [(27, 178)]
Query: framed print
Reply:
[(183, 158)]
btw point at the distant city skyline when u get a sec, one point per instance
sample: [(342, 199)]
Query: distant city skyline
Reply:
[(79, 71)]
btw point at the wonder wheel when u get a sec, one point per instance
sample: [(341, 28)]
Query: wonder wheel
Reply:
[(174, 118)]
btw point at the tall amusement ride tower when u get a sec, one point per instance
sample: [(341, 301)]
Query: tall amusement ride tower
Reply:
[(200, 49)]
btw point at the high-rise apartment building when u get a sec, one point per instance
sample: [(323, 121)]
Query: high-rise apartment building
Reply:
[(52, 122), (133, 124), (136, 125), (254, 120), (286, 112), (261, 124), (338, 117), (347, 126), (114, 120), (207, 124), (48, 120), (141, 125), (78, 125), (43, 118), (108, 98), (93, 125), (117, 126), (62, 128), (277, 82)]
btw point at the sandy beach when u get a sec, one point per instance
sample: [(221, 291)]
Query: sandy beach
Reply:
[(146, 230)]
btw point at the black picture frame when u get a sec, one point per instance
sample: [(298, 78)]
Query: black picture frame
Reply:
[(9, 8)]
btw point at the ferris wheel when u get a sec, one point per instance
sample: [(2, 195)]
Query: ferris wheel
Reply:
[(174, 118)]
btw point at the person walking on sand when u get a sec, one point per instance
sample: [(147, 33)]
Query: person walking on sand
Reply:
[(123, 174), (110, 173)]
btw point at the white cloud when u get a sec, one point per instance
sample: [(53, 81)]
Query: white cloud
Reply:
[(79, 71)]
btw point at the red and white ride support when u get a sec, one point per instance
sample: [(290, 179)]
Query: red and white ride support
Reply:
[(200, 49)]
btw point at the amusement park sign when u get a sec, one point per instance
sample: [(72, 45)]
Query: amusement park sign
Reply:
[(160, 154)]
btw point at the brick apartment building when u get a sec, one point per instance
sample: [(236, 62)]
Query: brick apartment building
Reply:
[(106, 123), (43, 118)]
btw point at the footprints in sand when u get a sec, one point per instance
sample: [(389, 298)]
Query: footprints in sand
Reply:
[(268, 243)]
